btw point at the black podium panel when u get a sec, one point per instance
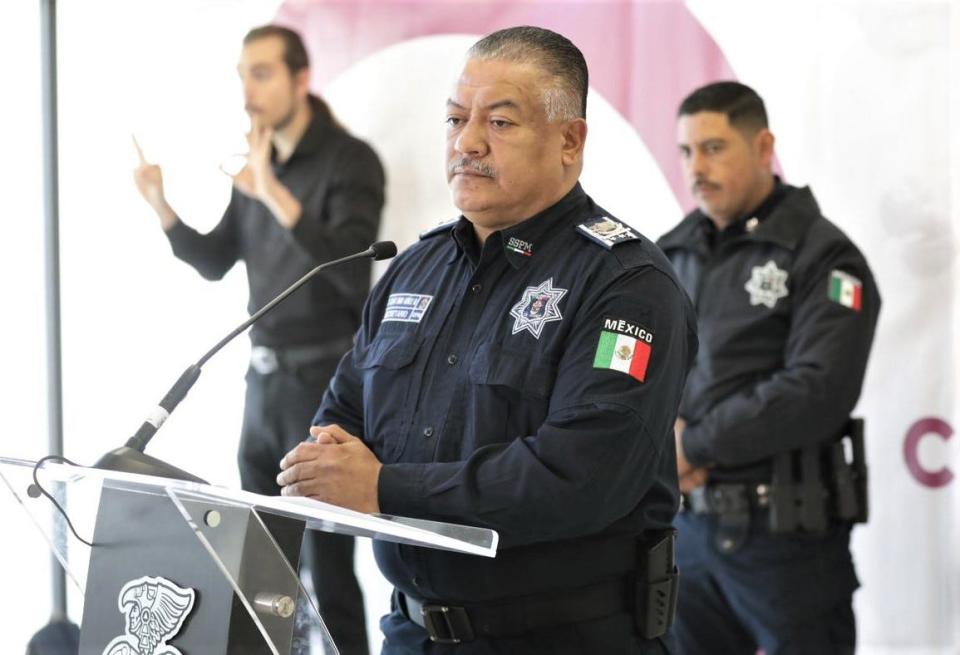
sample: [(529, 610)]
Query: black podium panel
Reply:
[(146, 560)]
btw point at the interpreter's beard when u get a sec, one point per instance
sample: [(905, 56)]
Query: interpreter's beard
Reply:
[(285, 121)]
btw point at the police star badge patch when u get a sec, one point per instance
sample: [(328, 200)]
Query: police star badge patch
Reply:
[(767, 285), (538, 306)]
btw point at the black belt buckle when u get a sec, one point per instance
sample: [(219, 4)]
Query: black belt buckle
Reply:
[(731, 502), (729, 498), (446, 624), (264, 360)]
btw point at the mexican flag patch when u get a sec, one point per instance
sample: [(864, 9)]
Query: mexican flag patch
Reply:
[(625, 347), (845, 289)]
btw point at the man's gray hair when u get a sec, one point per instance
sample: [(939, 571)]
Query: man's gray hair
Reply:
[(565, 96)]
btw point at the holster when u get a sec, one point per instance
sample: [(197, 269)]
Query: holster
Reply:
[(848, 482), (816, 486), (657, 581)]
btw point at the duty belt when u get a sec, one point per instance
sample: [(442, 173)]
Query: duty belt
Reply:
[(726, 498), (732, 504), (266, 360), (446, 623)]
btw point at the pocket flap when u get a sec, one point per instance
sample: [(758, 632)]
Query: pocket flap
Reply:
[(519, 370), (391, 352)]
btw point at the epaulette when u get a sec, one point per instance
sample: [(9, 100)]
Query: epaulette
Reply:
[(608, 232), (437, 229)]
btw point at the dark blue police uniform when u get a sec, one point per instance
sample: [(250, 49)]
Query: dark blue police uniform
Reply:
[(528, 386), (787, 308)]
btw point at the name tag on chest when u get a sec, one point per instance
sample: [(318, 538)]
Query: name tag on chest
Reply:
[(406, 307)]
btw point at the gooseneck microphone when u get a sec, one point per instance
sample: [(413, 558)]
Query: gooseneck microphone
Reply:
[(131, 458)]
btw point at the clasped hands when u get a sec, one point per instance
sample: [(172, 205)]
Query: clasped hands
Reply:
[(336, 468), (690, 476)]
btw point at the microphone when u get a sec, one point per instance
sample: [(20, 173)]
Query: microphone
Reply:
[(130, 458), (383, 250)]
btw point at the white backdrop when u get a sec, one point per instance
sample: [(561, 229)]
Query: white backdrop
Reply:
[(861, 98)]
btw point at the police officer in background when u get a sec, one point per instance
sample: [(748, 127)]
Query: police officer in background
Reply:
[(309, 193), (517, 369), (787, 308)]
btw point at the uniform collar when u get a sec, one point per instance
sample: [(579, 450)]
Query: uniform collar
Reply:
[(519, 243), (789, 219), (782, 218), (315, 136), (751, 221)]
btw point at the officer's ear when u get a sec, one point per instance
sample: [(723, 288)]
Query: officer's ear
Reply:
[(763, 143), (574, 134)]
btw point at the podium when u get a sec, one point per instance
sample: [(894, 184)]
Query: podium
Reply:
[(183, 568)]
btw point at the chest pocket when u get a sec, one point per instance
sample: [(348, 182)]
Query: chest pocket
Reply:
[(388, 382), (511, 390), (525, 375), (390, 352)]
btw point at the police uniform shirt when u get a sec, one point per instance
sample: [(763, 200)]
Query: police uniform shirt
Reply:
[(528, 386), (338, 181), (782, 352)]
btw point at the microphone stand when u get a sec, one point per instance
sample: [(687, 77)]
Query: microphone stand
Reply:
[(131, 458)]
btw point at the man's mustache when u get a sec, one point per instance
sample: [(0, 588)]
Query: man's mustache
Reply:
[(704, 184), (473, 165)]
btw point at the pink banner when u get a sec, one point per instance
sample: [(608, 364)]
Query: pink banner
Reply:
[(644, 57)]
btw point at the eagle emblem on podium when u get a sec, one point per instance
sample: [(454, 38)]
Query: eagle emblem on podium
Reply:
[(154, 610)]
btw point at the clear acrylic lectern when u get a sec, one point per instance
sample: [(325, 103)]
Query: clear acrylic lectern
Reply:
[(184, 567)]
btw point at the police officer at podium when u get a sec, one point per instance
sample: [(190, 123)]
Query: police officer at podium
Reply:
[(787, 308), (518, 369)]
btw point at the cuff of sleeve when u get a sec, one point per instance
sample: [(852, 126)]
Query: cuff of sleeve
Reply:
[(400, 490), (696, 447), (176, 232)]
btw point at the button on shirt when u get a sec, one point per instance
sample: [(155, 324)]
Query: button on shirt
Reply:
[(482, 379), (338, 181)]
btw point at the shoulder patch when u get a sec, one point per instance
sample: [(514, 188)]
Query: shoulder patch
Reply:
[(845, 289), (607, 231), (437, 229), (624, 346)]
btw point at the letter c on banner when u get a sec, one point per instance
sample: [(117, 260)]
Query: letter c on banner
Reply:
[(918, 431)]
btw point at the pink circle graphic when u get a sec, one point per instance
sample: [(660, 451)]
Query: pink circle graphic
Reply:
[(644, 56)]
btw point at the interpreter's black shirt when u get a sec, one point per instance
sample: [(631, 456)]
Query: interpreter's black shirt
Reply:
[(339, 182)]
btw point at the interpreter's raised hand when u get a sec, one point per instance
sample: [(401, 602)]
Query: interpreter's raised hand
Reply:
[(337, 468), (149, 180), (256, 177)]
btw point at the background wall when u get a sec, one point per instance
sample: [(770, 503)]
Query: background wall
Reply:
[(861, 98)]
